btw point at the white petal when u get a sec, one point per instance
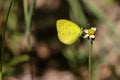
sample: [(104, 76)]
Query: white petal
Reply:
[(92, 36), (86, 35), (86, 31), (93, 28)]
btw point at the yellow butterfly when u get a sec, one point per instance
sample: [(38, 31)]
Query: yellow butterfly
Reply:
[(68, 32)]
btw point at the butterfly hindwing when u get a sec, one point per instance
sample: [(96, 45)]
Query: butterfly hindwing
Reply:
[(68, 32)]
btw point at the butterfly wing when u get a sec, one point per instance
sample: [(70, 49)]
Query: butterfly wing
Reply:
[(68, 32)]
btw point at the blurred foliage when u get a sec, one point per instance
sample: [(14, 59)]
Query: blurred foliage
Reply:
[(43, 49), (76, 13)]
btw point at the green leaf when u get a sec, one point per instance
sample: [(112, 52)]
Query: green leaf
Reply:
[(19, 59)]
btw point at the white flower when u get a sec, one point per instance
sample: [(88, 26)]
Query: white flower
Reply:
[(90, 33)]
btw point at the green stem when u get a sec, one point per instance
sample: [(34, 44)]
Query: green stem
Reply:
[(29, 18), (90, 61), (25, 4), (3, 36)]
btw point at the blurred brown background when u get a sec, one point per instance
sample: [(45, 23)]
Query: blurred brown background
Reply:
[(44, 56)]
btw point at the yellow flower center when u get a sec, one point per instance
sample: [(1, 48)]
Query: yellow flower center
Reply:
[(91, 32)]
